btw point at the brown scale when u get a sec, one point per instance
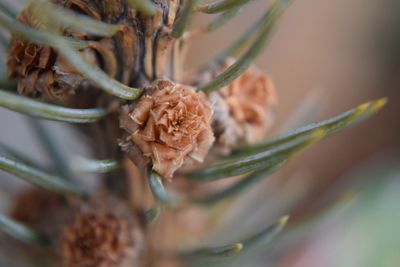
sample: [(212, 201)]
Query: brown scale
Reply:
[(140, 52)]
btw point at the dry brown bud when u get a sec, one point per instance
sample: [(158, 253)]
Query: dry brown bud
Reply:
[(100, 238), (170, 125), (40, 71), (242, 109)]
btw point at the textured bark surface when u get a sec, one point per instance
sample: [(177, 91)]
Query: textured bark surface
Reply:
[(142, 50)]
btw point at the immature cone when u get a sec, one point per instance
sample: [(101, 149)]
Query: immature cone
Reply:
[(40, 71), (100, 238), (242, 110), (170, 125)]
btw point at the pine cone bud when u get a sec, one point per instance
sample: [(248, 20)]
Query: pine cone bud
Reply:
[(100, 238), (40, 72), (242, 110), (170, 126)]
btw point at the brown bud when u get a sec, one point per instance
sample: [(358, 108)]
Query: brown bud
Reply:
[(100, 238), (170, 125), (242, 109), (39, 70)]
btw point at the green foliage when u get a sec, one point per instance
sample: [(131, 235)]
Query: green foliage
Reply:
[(245, 183), (268, 158), (40, 178), (221, 5), (263, 159), (85, 165), (199, 257), (52, 148), (264, 32), (215, 252), (57, 17), (90, 71), (184, 18), (255, 162), (158, 189), (223, 19), (152, 214), (330, 127), (49, 111), (21, 232), (145, 6)]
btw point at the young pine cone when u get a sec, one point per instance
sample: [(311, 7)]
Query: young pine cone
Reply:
[(42, 73), (242, 110), (100, 238), (170, 125)]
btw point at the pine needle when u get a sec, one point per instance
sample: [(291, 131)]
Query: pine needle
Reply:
[(48, 111), (39, 178), (21, 232)]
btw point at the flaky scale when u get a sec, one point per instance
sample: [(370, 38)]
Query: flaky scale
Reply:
[(242, 109), (169, 126)]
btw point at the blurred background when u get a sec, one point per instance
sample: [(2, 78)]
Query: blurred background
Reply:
[(343, 193)]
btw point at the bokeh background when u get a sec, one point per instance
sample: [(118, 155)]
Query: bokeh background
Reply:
[(343, 193)]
